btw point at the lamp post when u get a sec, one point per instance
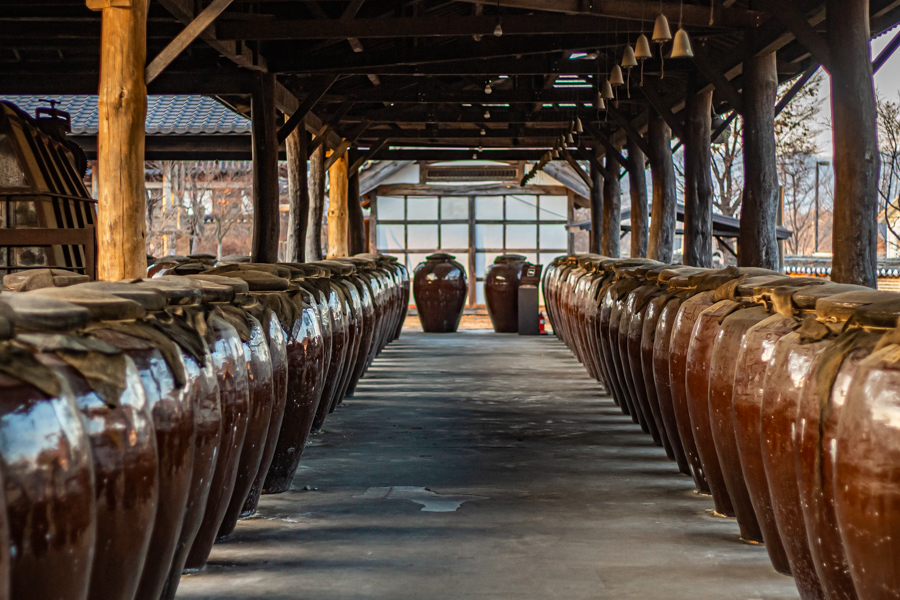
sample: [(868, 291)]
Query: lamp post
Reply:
[(819, 163)]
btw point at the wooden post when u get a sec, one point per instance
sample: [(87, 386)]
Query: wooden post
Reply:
[(122, 112), (356, 226), (316, 204), (264, 247), (298, 195), (596, 209), (757, 239), (856, 158), (698, 179), (373, 222), (663, 214), (612, 208), (637, 179), (338, 243)]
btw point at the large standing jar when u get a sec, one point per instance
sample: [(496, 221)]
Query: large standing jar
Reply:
[(49, 524), (440, 288), (866, 459), (501, 292)]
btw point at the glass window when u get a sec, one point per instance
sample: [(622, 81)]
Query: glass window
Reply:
[(421, 237), (489, 208), (521, 208), (554, 236), (390, 208), (414, 259), (390, 237), (419, 208), (488, 236), (454, 236), (521, 236), (553, 208), (479, 293), (453, 208), (546, 259)]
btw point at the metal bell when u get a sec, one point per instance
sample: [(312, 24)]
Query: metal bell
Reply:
[(570, 140), (607, 91), (615, 77), (682, 46), (555, 153), (628, 59), (661, 31), (642, 48), (578, 126)]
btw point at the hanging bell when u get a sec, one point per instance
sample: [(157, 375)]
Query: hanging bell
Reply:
[(487, 114), (642, 48), (661, 31), (599, 104), (607, 92), (487, 89), (615, 77), (480, 149), (578, 126), (682, 46), (555, 153), (628, 59), (474, 157), (569, 139), (498, 30)]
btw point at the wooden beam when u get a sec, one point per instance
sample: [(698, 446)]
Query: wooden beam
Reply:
[(886, 53), (759, 206), (364, 158), (122, 112), (577, 168), (185, 38), (338, 242), (316, 204), (315, 94), (298, 195), (690, 15), (601, 137), (856, 157), (345, 145), (714, 74), (629, 129), (795, 89), (663, 218), (266, 219), (326, 128), (656, 101), (476, 189), (593, 157), (799, 25)]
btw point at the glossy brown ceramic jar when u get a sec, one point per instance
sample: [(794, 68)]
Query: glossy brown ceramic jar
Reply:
[(306, 364), (49, 525), (866, 478), (367, 299), (440, 289), (501, 292)]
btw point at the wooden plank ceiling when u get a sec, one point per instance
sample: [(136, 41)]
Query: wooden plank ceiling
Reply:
[(414, 72)]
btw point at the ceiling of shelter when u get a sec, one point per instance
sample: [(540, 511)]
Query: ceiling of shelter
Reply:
[(409, 77)]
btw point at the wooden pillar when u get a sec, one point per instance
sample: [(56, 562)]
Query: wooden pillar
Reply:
[(316, 204), (338, 243), (122, 112), (298, 195), (373, 222), (612, 209), (663, 214), (757, 240), (698, 179), (637, 180), (596, 210), (264, 247), (856, 158), (356, 226)]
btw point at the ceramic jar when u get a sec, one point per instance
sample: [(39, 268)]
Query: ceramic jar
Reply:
[(501, 292), (440, 289)]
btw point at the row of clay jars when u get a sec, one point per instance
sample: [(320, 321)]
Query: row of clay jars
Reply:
[(501, 292), (732, 353)]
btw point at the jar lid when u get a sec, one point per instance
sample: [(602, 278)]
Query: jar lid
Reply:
[(237, 285), (203, 256), (101, 305), (276, 270), (34, 279), (210, 291), (840, 307), (6, 328), (235, 258), (260, 281), (151, 300), (176, 290), (508, 258), (338, 266), (190, 267), (883, 314), (171, 258), (41, 313), (806, 298), (304, 270), (762, 285), (440, 256)]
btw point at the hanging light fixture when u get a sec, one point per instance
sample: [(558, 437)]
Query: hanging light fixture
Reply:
[(487, 88), (661, 35), (578, 127)]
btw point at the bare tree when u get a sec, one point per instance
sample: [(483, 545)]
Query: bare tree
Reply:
[(728, 169), (889, 188)]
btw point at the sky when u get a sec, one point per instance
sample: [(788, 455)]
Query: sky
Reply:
[(887, 83)]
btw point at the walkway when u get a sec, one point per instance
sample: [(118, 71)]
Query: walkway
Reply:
[(564, 497)]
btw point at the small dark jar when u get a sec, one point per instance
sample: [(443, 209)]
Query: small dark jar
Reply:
[(440, 288), (501, 292)]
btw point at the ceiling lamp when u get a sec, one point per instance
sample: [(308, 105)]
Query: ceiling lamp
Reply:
[(578, 127), (682, 46), (487, 89), (661, 35)]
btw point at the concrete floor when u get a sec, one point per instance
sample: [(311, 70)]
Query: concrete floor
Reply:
[(562, 496)]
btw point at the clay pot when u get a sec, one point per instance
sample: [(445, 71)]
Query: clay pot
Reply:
[(367, 335), (307, 362), (47, 467), (440, 290), (866, 454), (501, 292)]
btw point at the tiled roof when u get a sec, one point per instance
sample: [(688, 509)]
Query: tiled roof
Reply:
[(166, 115)]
